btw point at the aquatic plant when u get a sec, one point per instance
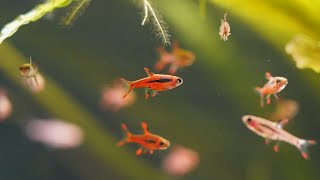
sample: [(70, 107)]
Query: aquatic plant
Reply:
[(75, 11), (305, 52), (31, 16)]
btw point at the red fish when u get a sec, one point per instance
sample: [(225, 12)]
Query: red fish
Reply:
[(273, 131), (154, 83), (149, 142), (272, 87)]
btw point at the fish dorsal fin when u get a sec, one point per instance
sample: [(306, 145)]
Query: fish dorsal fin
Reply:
[(145, 128), (268, 75), (175, 45), (148, 72), (282, 122), (30, 61)]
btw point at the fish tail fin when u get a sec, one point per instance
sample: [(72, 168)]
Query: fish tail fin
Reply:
[(303, 147), (258, 90), (128, 135), (129, 83)]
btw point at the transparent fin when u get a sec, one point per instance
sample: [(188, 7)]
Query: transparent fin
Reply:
[(303, 147)]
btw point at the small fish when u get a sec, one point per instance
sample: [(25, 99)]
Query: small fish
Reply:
[(224, 28), (272, 87), (178, 58), (166, 58), (149, 142), (27, 70), (273, 131), (154, 83)]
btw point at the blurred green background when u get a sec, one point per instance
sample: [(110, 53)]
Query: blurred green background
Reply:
[(204, 114)]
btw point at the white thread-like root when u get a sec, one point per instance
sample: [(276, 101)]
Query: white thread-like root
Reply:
[(159, 23), (145, 14), (75, 12)]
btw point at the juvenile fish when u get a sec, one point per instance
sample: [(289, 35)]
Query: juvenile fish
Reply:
[(272, 87), (149, 142), (154, 83)]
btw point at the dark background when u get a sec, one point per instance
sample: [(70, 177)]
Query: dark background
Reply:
[(204, 114)]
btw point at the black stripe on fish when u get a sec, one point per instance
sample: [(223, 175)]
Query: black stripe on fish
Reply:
[(150, 141), (271, 129), (161, 80)]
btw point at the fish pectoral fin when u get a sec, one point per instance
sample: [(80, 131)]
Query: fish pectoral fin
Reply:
[(139, 151), (150, 73), (150, 151), (30, 81), (268, 99), (276, 147), (36, 80), (154, 93), (147, 93), (267, 141)]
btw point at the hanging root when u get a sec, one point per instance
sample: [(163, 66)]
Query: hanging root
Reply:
[(160, 26), (75, 11)]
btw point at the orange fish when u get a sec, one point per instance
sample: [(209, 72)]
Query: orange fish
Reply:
[(154, 83), (273, 86), (148, 141), (224, 28), (178, 58)]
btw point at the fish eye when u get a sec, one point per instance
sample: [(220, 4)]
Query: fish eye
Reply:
[(179, 80), (249, 119), (162, 143), (278, 81)]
